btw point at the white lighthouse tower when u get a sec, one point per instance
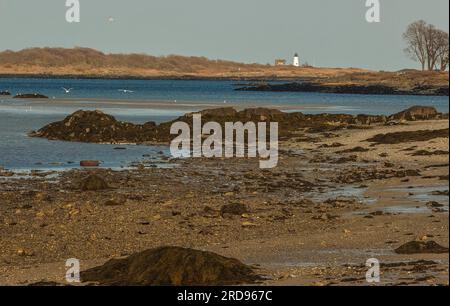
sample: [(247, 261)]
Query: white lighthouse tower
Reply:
[(296, 60)]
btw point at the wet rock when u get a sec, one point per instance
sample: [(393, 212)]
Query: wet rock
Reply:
[(430, 153), (420, 247), (5, 93), (30, 96), (171, 266), (235, 209), (93, 183), (434, 204), (89, 163), (113, 203), (97, 127), (440, 193)]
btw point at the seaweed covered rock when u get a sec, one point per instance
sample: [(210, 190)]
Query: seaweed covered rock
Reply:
[(97, 127), (420, 247), (30, 96), (171, 266)]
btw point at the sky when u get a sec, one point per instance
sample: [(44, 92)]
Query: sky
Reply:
[(326, 33)]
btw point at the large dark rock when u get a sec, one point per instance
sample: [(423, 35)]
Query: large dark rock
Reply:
[(5, 93), (171, 266), (30, 96), (420, 247), (233, 209), (97, 127)]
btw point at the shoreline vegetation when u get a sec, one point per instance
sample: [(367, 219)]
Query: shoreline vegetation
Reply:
[(91, 64)]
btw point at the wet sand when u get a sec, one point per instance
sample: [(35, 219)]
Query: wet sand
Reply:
[(160, 105), (313, 220)]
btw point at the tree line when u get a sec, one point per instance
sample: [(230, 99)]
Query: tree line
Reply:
[(427, 45)]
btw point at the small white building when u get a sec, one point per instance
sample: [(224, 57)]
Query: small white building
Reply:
[(296, 62)]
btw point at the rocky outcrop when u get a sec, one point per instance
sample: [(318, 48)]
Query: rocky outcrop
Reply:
[(30, 96), (408, 136), (416, 113), (369, 89), (5, 93), (98, 127), (171, 266)]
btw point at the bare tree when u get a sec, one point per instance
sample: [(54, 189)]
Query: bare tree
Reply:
[(427, 45), (443, 51), (415, 39)]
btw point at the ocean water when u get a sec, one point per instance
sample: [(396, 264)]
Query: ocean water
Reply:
[(147, 100)]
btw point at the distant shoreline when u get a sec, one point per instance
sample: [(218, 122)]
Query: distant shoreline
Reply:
[(154, 78)]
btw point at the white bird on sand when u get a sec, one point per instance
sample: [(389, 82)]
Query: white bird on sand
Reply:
[(67, 90), (126, 90)]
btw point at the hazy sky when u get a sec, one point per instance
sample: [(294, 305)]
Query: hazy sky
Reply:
[(324, 32)]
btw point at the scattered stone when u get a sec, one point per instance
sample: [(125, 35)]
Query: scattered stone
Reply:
[(333, 145), (430, 153), (93, 183), (235, 209), (113, 203), (355, 150)]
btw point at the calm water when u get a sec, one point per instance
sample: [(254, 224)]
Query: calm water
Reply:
[(18, 117)]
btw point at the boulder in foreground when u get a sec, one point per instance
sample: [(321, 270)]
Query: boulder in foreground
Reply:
[(420, 247), (171, 266)]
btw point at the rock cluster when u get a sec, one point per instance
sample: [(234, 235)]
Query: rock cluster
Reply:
[(98, 127)]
